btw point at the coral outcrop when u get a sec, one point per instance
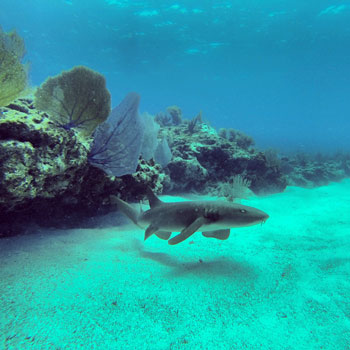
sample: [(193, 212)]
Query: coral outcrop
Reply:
[(309, 171), (37, 160), (46, 178), (202, 159)]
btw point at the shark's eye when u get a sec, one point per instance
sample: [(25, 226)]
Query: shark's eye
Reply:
[(243, 211)]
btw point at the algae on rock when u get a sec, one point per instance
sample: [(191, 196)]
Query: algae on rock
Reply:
[(37, 159)]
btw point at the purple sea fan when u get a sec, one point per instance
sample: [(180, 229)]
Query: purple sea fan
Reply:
[(117, 142)]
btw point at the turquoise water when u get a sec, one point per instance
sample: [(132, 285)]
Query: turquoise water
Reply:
[(277, 70)]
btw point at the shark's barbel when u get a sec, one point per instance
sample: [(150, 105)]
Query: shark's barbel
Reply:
[(212, 218)]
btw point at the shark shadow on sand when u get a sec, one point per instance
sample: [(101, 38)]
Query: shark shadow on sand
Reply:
[(221, 266)]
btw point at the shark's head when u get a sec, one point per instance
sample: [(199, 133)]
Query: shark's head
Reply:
[(237, 215)]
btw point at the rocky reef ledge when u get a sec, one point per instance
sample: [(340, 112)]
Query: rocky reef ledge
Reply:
[(46, 179), (202, 159)]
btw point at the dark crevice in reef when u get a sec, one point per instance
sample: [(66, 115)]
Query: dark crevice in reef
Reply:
[(17, 107), (21, 133)]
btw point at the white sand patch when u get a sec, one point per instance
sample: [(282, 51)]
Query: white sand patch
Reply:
[(282, 285)]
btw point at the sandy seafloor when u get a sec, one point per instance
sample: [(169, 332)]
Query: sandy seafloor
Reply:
[(281, 285)]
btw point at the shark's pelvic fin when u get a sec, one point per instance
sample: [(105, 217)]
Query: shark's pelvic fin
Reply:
[(153, 199), (126, 208), (150, 230), (163, 235), (188, 231), (218, 234)]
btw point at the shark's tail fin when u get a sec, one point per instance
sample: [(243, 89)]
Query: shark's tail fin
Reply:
[(125, 208)]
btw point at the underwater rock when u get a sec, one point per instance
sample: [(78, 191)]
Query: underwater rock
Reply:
[(201, 159), (306, 170), (244, 141), (37, 159), (46, 179), (148, 174), (85, 203), (96, 187)]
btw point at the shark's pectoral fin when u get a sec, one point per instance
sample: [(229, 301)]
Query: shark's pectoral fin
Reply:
[(218, 234), (188, 231), (150, 230), (163, 235)]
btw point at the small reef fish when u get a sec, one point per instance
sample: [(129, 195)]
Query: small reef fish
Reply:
[(213, 218)]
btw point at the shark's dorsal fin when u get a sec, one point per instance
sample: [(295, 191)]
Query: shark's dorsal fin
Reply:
[(153, 199)]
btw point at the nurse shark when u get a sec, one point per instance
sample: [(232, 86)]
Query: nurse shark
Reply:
[(214, 218)]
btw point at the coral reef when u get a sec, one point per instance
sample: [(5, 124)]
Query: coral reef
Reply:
[(13, 74), (172, 116), (307, 170), (117, 142), (162, 154), (244, 141), (204, 159), (150, 137), (77, 98), (163, 119), (175, 114), (46, 178), (36, 159), (194, 124), (234, 189)]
